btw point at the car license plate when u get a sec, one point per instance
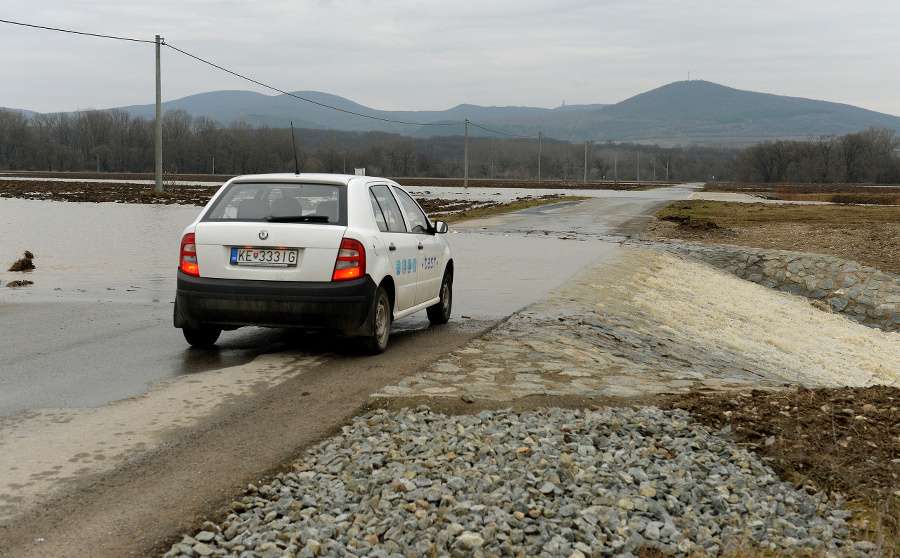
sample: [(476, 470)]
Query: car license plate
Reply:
[(266, 257)]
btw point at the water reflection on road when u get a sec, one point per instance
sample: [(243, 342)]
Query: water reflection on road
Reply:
[(96, 325)]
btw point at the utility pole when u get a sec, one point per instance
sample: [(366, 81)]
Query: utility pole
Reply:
[(540, 135), (159, 184), (466, 157), (585, 163), (616, 165), (493, 155), (639, 167)]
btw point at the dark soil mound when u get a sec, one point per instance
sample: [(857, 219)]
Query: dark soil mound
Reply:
[(835, 439), (23, 264)]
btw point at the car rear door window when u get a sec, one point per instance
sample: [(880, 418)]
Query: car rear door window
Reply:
[(378, 213), (418, 222), (390, 210)]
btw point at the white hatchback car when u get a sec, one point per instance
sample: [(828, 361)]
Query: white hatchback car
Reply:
[(314, 251)]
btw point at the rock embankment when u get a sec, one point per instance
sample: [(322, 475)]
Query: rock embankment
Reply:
[(547, 483), (640, 326), (862, 293)]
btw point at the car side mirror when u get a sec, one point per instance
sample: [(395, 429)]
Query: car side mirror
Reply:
[(441, 227)]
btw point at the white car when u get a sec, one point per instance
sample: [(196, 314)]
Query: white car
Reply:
[(313, 251)]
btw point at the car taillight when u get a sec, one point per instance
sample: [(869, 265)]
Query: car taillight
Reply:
[(351, 261), (189, 256)]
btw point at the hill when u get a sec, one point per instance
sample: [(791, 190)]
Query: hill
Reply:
[(680, 113), (279, 110), (704, 112)]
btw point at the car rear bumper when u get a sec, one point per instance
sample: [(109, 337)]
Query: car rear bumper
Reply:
[(229, 303)]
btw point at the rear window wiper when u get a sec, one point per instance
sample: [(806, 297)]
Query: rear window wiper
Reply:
[(297, 219)]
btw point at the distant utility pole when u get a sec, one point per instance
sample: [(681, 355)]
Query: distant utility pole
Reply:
[(540, 135), (616, 165), (159, 184), (466, 157), (639, 167), (585, 162)]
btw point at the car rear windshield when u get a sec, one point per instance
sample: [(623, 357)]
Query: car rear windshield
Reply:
[(281, 202)]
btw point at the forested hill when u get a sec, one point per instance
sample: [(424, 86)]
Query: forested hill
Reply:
[(278, 111), (680, 113), (703, 112)]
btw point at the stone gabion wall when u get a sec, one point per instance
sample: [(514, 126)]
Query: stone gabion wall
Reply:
[(864, 294)]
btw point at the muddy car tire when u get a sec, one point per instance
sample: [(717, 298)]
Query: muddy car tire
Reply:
[(201, 337), (440, 313), (377, 342)]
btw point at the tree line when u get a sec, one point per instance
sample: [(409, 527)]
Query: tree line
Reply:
[(114, 141), (869, 156)]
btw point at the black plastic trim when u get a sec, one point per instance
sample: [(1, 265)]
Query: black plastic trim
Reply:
[(338, 305)]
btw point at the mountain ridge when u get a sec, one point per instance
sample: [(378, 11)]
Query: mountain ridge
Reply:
[(679, 113)]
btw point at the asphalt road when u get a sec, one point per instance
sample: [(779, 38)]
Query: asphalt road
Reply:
[(115, 436)]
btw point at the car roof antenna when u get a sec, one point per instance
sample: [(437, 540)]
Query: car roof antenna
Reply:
[(294, 142)]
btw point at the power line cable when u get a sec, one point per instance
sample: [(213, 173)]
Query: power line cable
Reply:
[(77, 32), (499, 133), (72, 32), (309, 100)]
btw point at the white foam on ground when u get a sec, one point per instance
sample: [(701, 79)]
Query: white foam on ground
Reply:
[(785, 333), (747, 198)]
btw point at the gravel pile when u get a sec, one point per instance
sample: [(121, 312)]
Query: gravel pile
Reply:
[(548, 483)]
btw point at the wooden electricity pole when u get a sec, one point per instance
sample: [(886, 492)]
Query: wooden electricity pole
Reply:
[(466, 156), (159, 185)]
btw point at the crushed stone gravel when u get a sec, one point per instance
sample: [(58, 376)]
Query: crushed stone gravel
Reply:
[(551, 482)]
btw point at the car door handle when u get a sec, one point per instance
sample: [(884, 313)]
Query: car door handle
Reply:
[(421, 247), (392, 247)]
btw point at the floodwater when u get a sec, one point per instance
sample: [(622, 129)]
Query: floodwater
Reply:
[(98, 251), (96, 325)]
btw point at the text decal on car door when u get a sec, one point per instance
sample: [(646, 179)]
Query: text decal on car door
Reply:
[(429, 263), (406, 266)]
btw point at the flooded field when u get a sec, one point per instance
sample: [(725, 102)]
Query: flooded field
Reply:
[(97, 250)]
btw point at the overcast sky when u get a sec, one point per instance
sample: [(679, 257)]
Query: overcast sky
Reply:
[(412, 55)]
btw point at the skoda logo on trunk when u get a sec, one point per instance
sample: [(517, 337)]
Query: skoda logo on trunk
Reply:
[(263, 234)]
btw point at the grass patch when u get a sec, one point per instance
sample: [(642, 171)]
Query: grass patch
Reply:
[(738, 214), (857, 194)]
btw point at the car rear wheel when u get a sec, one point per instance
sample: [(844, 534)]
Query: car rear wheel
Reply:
[(440, 313), (201, 337), (377, 342)]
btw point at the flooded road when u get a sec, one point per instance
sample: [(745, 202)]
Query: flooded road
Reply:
[(96, 325)]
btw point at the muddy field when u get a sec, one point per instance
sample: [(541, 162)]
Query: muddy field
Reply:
[(89, 188), (180, 191), (869, 234)]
